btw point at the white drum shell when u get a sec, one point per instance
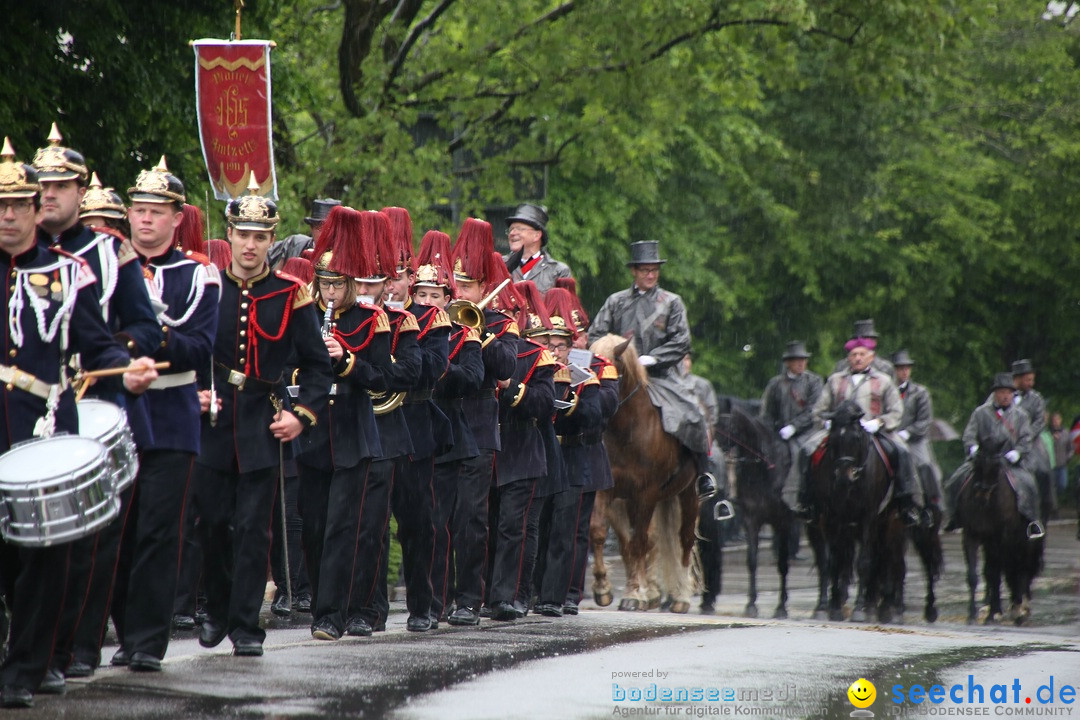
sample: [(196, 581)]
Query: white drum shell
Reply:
[(108, 423)]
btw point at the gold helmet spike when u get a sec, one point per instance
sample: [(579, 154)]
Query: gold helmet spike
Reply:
[(161, 165), (8, 153), (55, 138), (253, 185), (95, 182)]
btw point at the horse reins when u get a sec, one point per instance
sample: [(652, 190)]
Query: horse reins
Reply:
[(769, 464)]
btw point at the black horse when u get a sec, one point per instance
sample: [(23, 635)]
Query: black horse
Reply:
[(760, 461), (854, 517), (991, 520)]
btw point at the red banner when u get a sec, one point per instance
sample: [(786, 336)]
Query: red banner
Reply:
[(232, 94)]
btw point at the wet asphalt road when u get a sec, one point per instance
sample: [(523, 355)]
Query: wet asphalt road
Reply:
[(540, 667)]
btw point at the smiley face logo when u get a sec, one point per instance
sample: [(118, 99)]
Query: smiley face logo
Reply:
[(862, 693)]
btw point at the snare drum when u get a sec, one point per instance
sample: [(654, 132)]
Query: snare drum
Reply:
[(107, 423), (56, 490)]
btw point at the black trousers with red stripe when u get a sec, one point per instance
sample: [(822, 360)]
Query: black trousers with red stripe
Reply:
[(368, 598), (150, 559), (413, 500), (35, 582), (509, 559), (580, 561), (235, 511), (330, 504)]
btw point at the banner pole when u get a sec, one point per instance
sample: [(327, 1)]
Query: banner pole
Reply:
[(239, 7)]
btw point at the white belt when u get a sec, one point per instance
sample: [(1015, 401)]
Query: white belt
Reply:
[(173, 380), (24, 381)]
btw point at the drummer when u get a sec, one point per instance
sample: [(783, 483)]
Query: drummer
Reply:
[(188, 287), (46, 284)]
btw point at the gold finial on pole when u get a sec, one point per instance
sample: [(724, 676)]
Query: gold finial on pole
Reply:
[(239, 7)]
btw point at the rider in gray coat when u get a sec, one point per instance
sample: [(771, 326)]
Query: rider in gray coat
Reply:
[(528, 259), (915, 427)]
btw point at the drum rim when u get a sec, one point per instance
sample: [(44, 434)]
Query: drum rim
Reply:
[(102, 457)]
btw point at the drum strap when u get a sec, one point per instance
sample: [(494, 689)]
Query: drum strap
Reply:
[(26, 382)]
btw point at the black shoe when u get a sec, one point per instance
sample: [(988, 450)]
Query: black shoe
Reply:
[(485, 610), (520, 609), (706, 486), (418, 623), (280, 606), (53, 683), (358, 627), (183, 622), (145, 662), (434, 621), (302, 603), (200, 616), (464, 616), (503, 611), (120, 658), (79, 669), (211, 634), (549, 609), (323, 629), (380, 626), (570, 608), (13, 696), (247, 648)]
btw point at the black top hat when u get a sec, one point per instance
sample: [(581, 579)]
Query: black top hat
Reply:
[(1002, 380), (864, 329), (1022, 367), (646, 252), (157, 185), (320, 209), (55, 163), (796, 350), (534, 216), (901, 358)]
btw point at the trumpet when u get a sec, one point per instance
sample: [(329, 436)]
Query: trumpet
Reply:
[(471, 314)]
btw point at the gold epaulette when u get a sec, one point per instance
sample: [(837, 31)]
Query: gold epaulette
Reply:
[(302, 298), (512, 329), (609, 372), (409, 324), (546, 358), (382, 323), (125, 253), (440, 320), (472, 335), (591, 381), (562, 374)]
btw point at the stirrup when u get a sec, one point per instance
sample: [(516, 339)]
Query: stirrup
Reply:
[(706, 486), (723, 511), (1035, 530)]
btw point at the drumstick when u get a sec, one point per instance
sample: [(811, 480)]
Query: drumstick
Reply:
[(109, 372)]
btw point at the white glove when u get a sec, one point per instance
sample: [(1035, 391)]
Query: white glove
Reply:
[(646, 360), (828, 425), (1013, 456), (904, 435), (871, 426), (974, 449), (786, 432)]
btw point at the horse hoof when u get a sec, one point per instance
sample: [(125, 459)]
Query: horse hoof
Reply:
[(603, 599), (994, 619), (931, 614), (629, 604), (1019, 614), (836, 615), (821, 614), (858, 615), (780, 614), (651, 604), (751, 611), (680, 607)]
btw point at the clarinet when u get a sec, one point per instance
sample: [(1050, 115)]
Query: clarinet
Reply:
[(327, 320)]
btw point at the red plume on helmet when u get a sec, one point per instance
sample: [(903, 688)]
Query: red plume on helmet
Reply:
[(581, 318), (508, 301), (432, 263), (560, 306), (188, 236), (533, 318), (376, 228), (342, 236), (472, 251), (401, 235), (300, 268), (220, 253)]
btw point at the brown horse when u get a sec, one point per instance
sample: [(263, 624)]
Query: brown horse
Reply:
[(760, 460), (649, 467), (987, 506)]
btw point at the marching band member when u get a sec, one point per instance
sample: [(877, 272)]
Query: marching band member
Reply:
[(52, 311), (463, 377), (126, 308), (335, 454), (469, 526), (102, 208), (264, 322), (368, 604), (525, 401), (188, 286)]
